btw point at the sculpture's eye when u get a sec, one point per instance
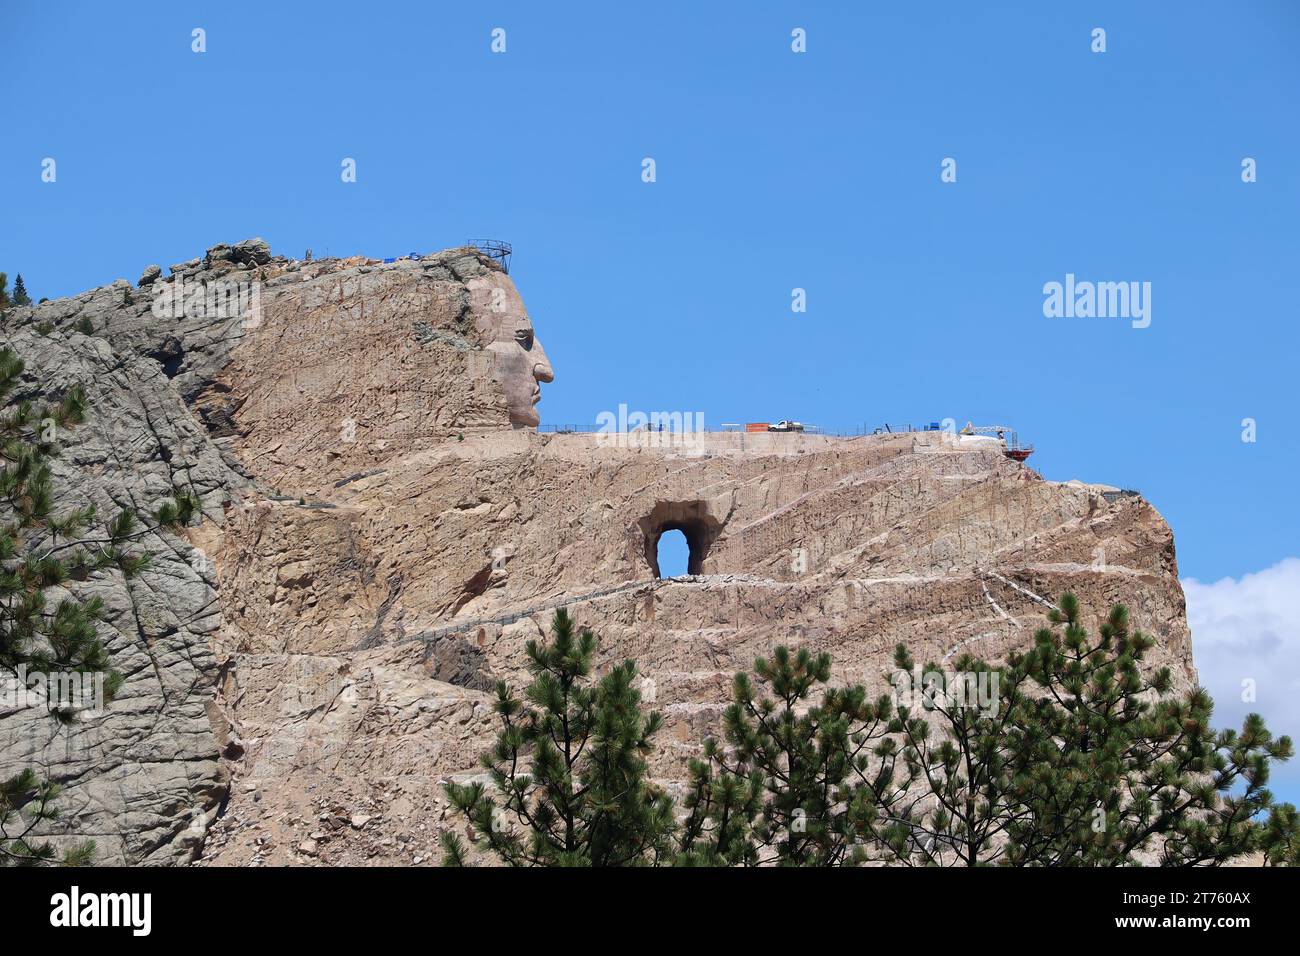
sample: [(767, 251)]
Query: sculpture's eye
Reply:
[(525, 338)]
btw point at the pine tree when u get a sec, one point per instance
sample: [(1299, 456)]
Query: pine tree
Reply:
[(1086, 759), (1117, 766), (957, 731), (585, 798), (39, 552), (20, 292), (795, 784), (1069, 754)]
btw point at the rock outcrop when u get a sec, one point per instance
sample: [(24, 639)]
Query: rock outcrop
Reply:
[(383, 532)]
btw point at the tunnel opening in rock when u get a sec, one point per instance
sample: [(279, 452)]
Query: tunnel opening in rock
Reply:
[(696, 525), (673, 552)]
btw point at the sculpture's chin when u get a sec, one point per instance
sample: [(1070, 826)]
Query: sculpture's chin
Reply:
[(524, 418)]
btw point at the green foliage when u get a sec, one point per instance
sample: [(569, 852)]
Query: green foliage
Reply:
[(799, 784), (1280, 839), (180, 510), (20, 296), (26, 802), (1116, 765), (959, 775), (1075, 756), (85, 326), (568, 767)]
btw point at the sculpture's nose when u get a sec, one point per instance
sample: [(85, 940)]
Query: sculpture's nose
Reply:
[(542, 370)]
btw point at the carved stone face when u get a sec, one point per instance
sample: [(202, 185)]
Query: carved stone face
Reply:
[(519, 362)]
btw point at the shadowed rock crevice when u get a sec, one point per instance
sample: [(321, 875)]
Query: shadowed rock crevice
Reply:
[(170, 354), (455, 660)]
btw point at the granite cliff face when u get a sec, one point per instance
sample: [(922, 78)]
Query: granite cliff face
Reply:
[(383, 532)]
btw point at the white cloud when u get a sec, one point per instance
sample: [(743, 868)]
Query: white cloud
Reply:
[(1248, 628)]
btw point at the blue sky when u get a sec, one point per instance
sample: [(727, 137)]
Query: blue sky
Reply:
[(775, 170)]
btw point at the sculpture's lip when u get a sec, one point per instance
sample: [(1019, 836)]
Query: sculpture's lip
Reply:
[(537, 394)]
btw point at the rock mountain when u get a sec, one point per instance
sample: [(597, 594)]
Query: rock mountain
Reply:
[(383, 530)]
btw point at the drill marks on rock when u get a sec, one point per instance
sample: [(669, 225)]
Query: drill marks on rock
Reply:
[(966, 642), (532, 611)]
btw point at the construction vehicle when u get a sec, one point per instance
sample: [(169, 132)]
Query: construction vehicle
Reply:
[(786, 426), (1011, 446)]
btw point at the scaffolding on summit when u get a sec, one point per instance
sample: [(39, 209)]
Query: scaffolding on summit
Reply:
[(1011, 446)]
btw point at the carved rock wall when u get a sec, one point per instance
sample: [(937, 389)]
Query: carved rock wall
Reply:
[(379, 545)]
